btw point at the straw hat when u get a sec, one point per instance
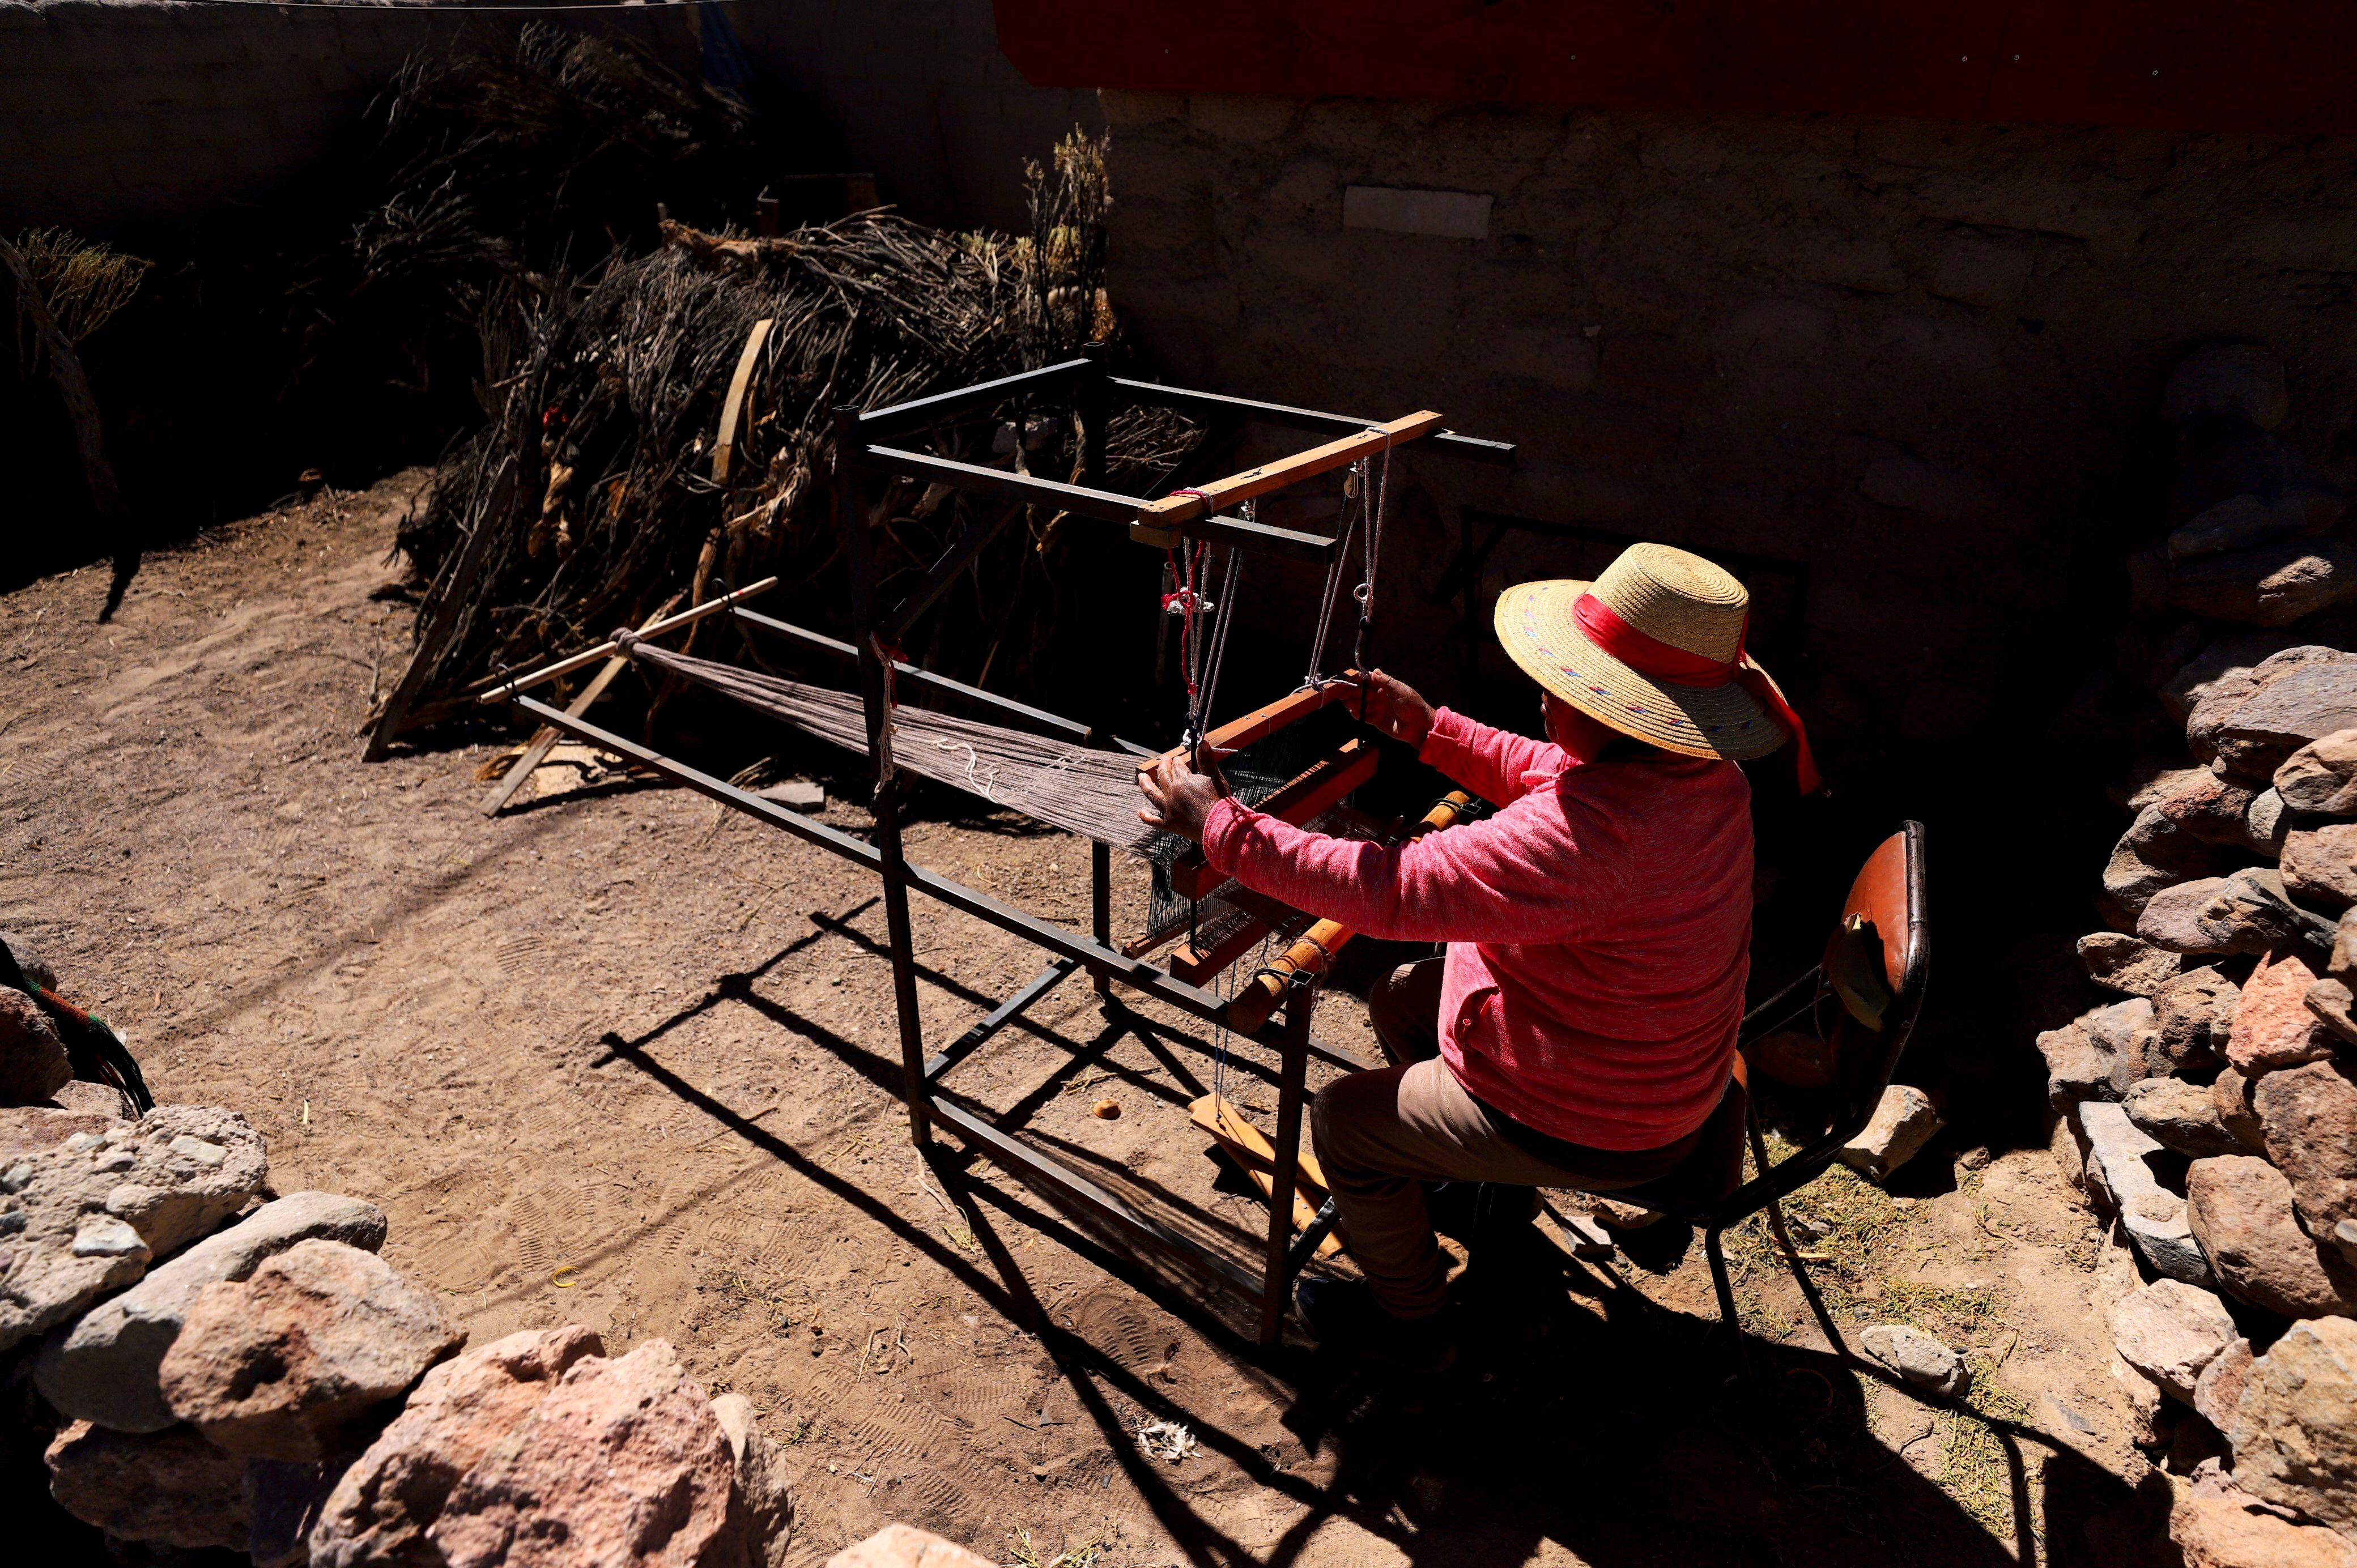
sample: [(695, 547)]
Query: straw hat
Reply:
[(1665, 596)]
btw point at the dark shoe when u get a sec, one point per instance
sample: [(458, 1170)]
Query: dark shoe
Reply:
[(1465, 1210), (1345, 1317)]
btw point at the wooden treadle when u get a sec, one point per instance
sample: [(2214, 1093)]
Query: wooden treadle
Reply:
[(1256, 1157)]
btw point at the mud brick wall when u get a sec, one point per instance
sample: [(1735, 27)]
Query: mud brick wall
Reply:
[(121, 116), (125, 116), (1923, 359)]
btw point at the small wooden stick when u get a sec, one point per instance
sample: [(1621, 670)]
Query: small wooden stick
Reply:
[(1256, 1157), (582, 661), (546, 738), (1291, 708), (732, 408), (1202, 500), (1314, 952)]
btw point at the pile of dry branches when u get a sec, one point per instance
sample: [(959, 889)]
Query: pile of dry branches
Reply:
[(598, 473)]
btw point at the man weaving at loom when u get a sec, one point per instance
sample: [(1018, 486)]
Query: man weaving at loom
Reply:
[(1581, 1026)]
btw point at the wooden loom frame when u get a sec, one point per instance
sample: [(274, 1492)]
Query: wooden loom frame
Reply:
[(861, 452)]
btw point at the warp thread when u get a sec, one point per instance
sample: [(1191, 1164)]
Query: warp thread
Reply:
[(1090, 792)]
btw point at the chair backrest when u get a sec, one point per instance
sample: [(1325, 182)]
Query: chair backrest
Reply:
[(1889, 893)]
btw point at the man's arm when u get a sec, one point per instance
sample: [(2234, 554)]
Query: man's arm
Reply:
[(1487, 761), (1473, 882), (1490, 762)]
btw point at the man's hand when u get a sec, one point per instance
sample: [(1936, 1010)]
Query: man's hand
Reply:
[(1179, 795), (1396, 708)]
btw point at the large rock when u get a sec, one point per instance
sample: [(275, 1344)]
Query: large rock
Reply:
[(2304, 704), (2230, 658), (2122, 1181), (2241, 1211), (2155, 853), (2334, 1006), (2238, 683), (172, 1487), (2121, 963), (2222, 1527), (2194, 1015), (2247, 912), (2218, 1392), (28, 1129), (2230, 1091), (275, 1366), (2170, 1331), (33, 1064), (98, 1207), (2320, 866), (622, 1463), (2213, 809), (95, 1099), (381, 1508), (2308, 1116), (2117, 1153), (1917, 1357), (2180, 1116), (2268, 822), (2341, 965), (2273, 583), (2273, 1027), (2294, 1433), (906, 1546), (2076, 1069), (2227, 381), (2150, 1413), (2321, 776), (105, 1367), (28, 957), (1904, 1121), (2126, 1036), (764, 1490)]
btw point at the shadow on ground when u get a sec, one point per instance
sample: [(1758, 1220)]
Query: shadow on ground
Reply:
[(1585, 1417)]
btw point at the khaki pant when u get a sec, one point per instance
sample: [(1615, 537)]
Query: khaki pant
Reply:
[(1379, 1134)]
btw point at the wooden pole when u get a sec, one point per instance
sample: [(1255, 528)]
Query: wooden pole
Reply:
[(1275, 476), (587, 657), (546, 736)]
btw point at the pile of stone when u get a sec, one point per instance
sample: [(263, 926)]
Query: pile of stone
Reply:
[(223, 1367), (2212, 1113)]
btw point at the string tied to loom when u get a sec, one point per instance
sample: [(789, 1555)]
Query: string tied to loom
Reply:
[(886, 655)]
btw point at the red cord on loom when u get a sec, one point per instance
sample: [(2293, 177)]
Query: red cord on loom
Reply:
[(1185, 600)]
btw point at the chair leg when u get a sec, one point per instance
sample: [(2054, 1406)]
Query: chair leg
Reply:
[(1720, 1283)]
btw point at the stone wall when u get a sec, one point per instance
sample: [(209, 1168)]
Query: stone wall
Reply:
[(1917, 358), (118, 116)]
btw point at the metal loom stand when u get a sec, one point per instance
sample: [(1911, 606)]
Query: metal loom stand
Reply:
[(861, 454)]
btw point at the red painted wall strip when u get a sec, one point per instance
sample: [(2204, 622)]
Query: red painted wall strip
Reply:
[(2267, 66)]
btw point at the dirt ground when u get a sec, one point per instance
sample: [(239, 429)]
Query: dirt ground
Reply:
[(620, 1058)]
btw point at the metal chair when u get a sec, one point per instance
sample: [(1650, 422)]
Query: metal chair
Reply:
[(1867, 1032)]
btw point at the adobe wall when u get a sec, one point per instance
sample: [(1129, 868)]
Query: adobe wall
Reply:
[(1923, 359), (118, 116)]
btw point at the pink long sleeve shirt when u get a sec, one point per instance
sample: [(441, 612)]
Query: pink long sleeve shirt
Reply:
[(1599, 927)]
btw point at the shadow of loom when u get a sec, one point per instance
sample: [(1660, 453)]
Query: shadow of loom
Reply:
[(1584, 1416)]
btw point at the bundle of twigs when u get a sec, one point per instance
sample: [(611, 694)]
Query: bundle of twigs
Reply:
[(610, 394)]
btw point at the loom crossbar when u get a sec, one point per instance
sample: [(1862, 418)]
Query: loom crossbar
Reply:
[(1277, 473)]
